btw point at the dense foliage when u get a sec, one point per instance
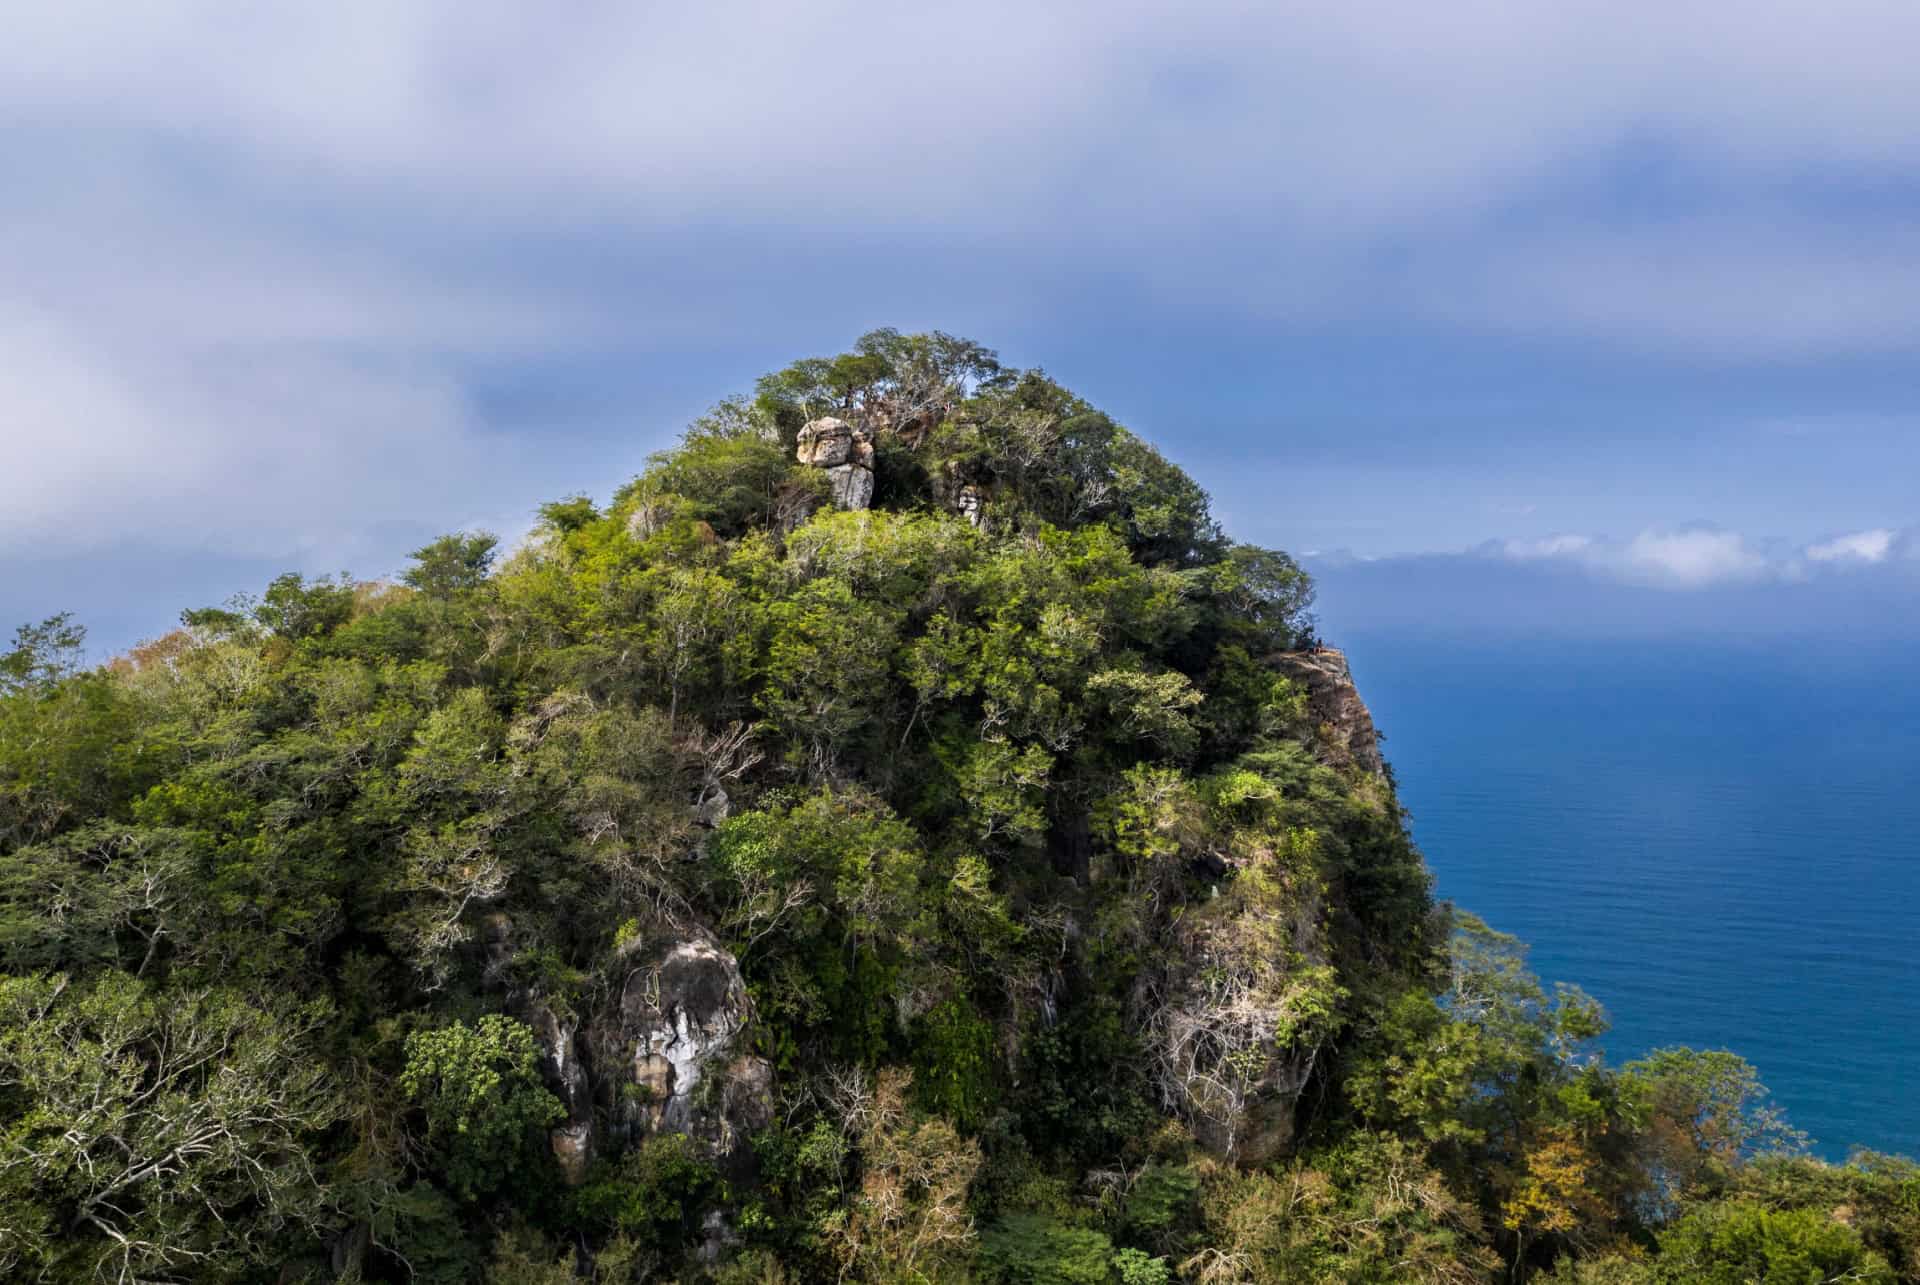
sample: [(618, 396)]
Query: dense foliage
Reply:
[(1070, 944)]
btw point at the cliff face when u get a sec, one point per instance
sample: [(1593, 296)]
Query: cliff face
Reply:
[(1346, 735)]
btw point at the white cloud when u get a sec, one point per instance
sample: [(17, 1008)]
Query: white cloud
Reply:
[(1691, 559), (1702, 557), (1861, 546), (1553, 546), (275, 451)]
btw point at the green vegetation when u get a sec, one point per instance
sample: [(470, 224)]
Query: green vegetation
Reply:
[(731, 886)]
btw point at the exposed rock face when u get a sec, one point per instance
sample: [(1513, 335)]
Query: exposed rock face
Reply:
[(560, 1062), (572, 1145), (681, 1012), (952, 489), (846, 453), (717, 1239), (826, 443), (665, 1062), (852, 486), (566, 1076), (1347, 732), (1228, 1021), (713, 808)]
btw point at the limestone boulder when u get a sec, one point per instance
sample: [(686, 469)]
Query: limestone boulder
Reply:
[(825, 443), (572, 1145), (713, 808), (846, 453), (565, 1073)]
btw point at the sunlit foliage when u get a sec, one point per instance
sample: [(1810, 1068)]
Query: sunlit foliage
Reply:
[(1073, 953)]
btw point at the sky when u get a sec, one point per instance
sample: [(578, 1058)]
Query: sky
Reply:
[(1491, 310)]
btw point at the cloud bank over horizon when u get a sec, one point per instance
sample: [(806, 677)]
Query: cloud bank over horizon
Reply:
[(1701, 557), (1697, 581), (1679, 559)]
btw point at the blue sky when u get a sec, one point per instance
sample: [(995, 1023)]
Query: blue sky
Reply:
[(1622, 304)]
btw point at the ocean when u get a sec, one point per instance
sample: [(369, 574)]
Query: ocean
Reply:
[(1721, 843)]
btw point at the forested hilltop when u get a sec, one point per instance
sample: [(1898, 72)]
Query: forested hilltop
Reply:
[(898, 837)]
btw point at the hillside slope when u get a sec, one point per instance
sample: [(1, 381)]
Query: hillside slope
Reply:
[(898, 837)]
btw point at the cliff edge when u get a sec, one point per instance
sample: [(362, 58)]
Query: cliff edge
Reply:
[(1347, 737)]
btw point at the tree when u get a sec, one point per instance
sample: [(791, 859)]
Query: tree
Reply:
[(1268, 590), (297, 609), (98, 894), (1743, 1244), (909, 1219), (42, 655), (452, 564), (480, 1091), (153, 1135), (1033, 1249), (1705, 1112)]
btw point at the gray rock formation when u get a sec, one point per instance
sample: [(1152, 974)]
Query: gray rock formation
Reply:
[(717, 1239), (846, 453), (566, 1076), (852, 486), (682, 1011), (667, 1060), (713, 808), (572, 1145), (1347, 735)]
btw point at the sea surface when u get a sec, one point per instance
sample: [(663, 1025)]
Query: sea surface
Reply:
[(1719, 842)]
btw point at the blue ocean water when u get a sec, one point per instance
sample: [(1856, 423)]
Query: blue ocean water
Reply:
[(1721, 843)]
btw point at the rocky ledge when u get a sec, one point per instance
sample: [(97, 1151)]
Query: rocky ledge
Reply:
[(1347, 737)]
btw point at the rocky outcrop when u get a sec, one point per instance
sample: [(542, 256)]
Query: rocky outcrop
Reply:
[(713, 808), (1347, 736), (827, 443), (851, 486), (846, 453), (566, 1076), (561, 1065), (959, 495), (682, 1011), (667, 1060)]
